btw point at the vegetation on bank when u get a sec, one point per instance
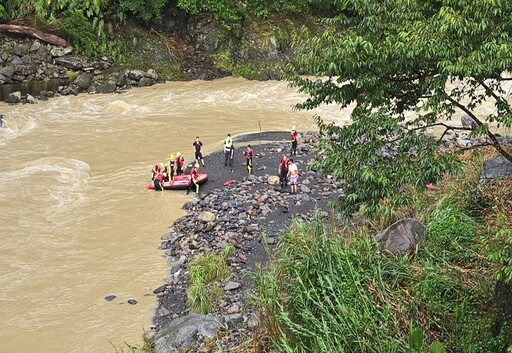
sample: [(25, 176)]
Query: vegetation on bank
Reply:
[(96, 27), (330, 288)]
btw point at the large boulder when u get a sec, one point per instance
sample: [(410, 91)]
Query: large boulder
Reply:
[(468, 121), (182, 333), (402, 236), (273, 180), (496, 168), (14, 97)]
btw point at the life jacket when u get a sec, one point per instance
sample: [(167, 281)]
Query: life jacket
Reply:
[(194, 173), (248, 153), (294, 136), (227, 144)]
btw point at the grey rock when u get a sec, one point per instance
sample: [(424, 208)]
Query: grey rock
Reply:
[(35, 46), (253, 321), (152, 74), (69, 62), (146, 81), (20, 50), (402, 236), (232, 285), (495, 168), (233, 320), (206, 216), (7, 72), (132, 301), (14, 97), (84, 81), (30, 99), (107, 87), (109, 298), (468, 121), (182, 333), (135, 74), (59, 51)]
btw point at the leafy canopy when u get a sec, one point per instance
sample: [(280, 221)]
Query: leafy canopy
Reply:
[(406, 65)]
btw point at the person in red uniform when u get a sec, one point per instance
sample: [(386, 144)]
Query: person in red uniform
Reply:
[(248, 157), (194, 175), (158, 182)]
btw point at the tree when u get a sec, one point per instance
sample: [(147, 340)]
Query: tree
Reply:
[(437, 59)]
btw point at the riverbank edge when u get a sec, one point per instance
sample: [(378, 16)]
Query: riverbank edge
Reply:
[(249, 214)]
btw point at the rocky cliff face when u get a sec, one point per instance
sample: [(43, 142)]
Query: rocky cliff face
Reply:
[(201, 48)]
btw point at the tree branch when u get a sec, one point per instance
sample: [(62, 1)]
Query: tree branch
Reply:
[(32, 32), (493, 138), (493, 94)]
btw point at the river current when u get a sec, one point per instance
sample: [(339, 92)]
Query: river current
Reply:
[(76, 223)]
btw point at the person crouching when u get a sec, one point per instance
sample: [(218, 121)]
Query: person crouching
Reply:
[(194, 175)]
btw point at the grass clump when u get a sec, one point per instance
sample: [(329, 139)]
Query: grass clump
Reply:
[(205, 272)]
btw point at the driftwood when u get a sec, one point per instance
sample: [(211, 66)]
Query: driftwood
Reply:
[(32, 32)]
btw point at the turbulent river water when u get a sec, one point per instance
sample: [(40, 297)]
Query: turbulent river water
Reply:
[(76, 223)]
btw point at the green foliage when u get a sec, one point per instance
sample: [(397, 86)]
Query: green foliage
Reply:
[(501, 254), (205, 271), (438, 60), (376, 158), (223, 10), (148, 10), (80, 31), (452, 234)]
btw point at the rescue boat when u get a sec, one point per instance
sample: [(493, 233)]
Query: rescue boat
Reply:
[(180, 182)]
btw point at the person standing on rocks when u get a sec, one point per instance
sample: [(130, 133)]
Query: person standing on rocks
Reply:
[(228, 142), (231, 161), (197, 147), (293, 174), (283, 172), (295, 140), (248, 153)]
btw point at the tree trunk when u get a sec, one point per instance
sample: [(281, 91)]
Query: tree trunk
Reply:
[(35, 33)]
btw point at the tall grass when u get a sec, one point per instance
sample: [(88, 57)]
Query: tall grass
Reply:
[(205, 271), (329, 292)]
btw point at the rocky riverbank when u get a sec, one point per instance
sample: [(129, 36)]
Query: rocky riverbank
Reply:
[(242, 215)]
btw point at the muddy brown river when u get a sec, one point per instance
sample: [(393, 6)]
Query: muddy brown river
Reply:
[(76, 223)]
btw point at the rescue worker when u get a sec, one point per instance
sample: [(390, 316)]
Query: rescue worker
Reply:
[(228, 142), (197, 149), (295, 140), (158, 182), (194, 174), (172, 166), (164, 169), (154, 171), (248, 153), (180, 162)]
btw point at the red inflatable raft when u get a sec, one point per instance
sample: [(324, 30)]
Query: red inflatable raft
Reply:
[(180, 182)]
